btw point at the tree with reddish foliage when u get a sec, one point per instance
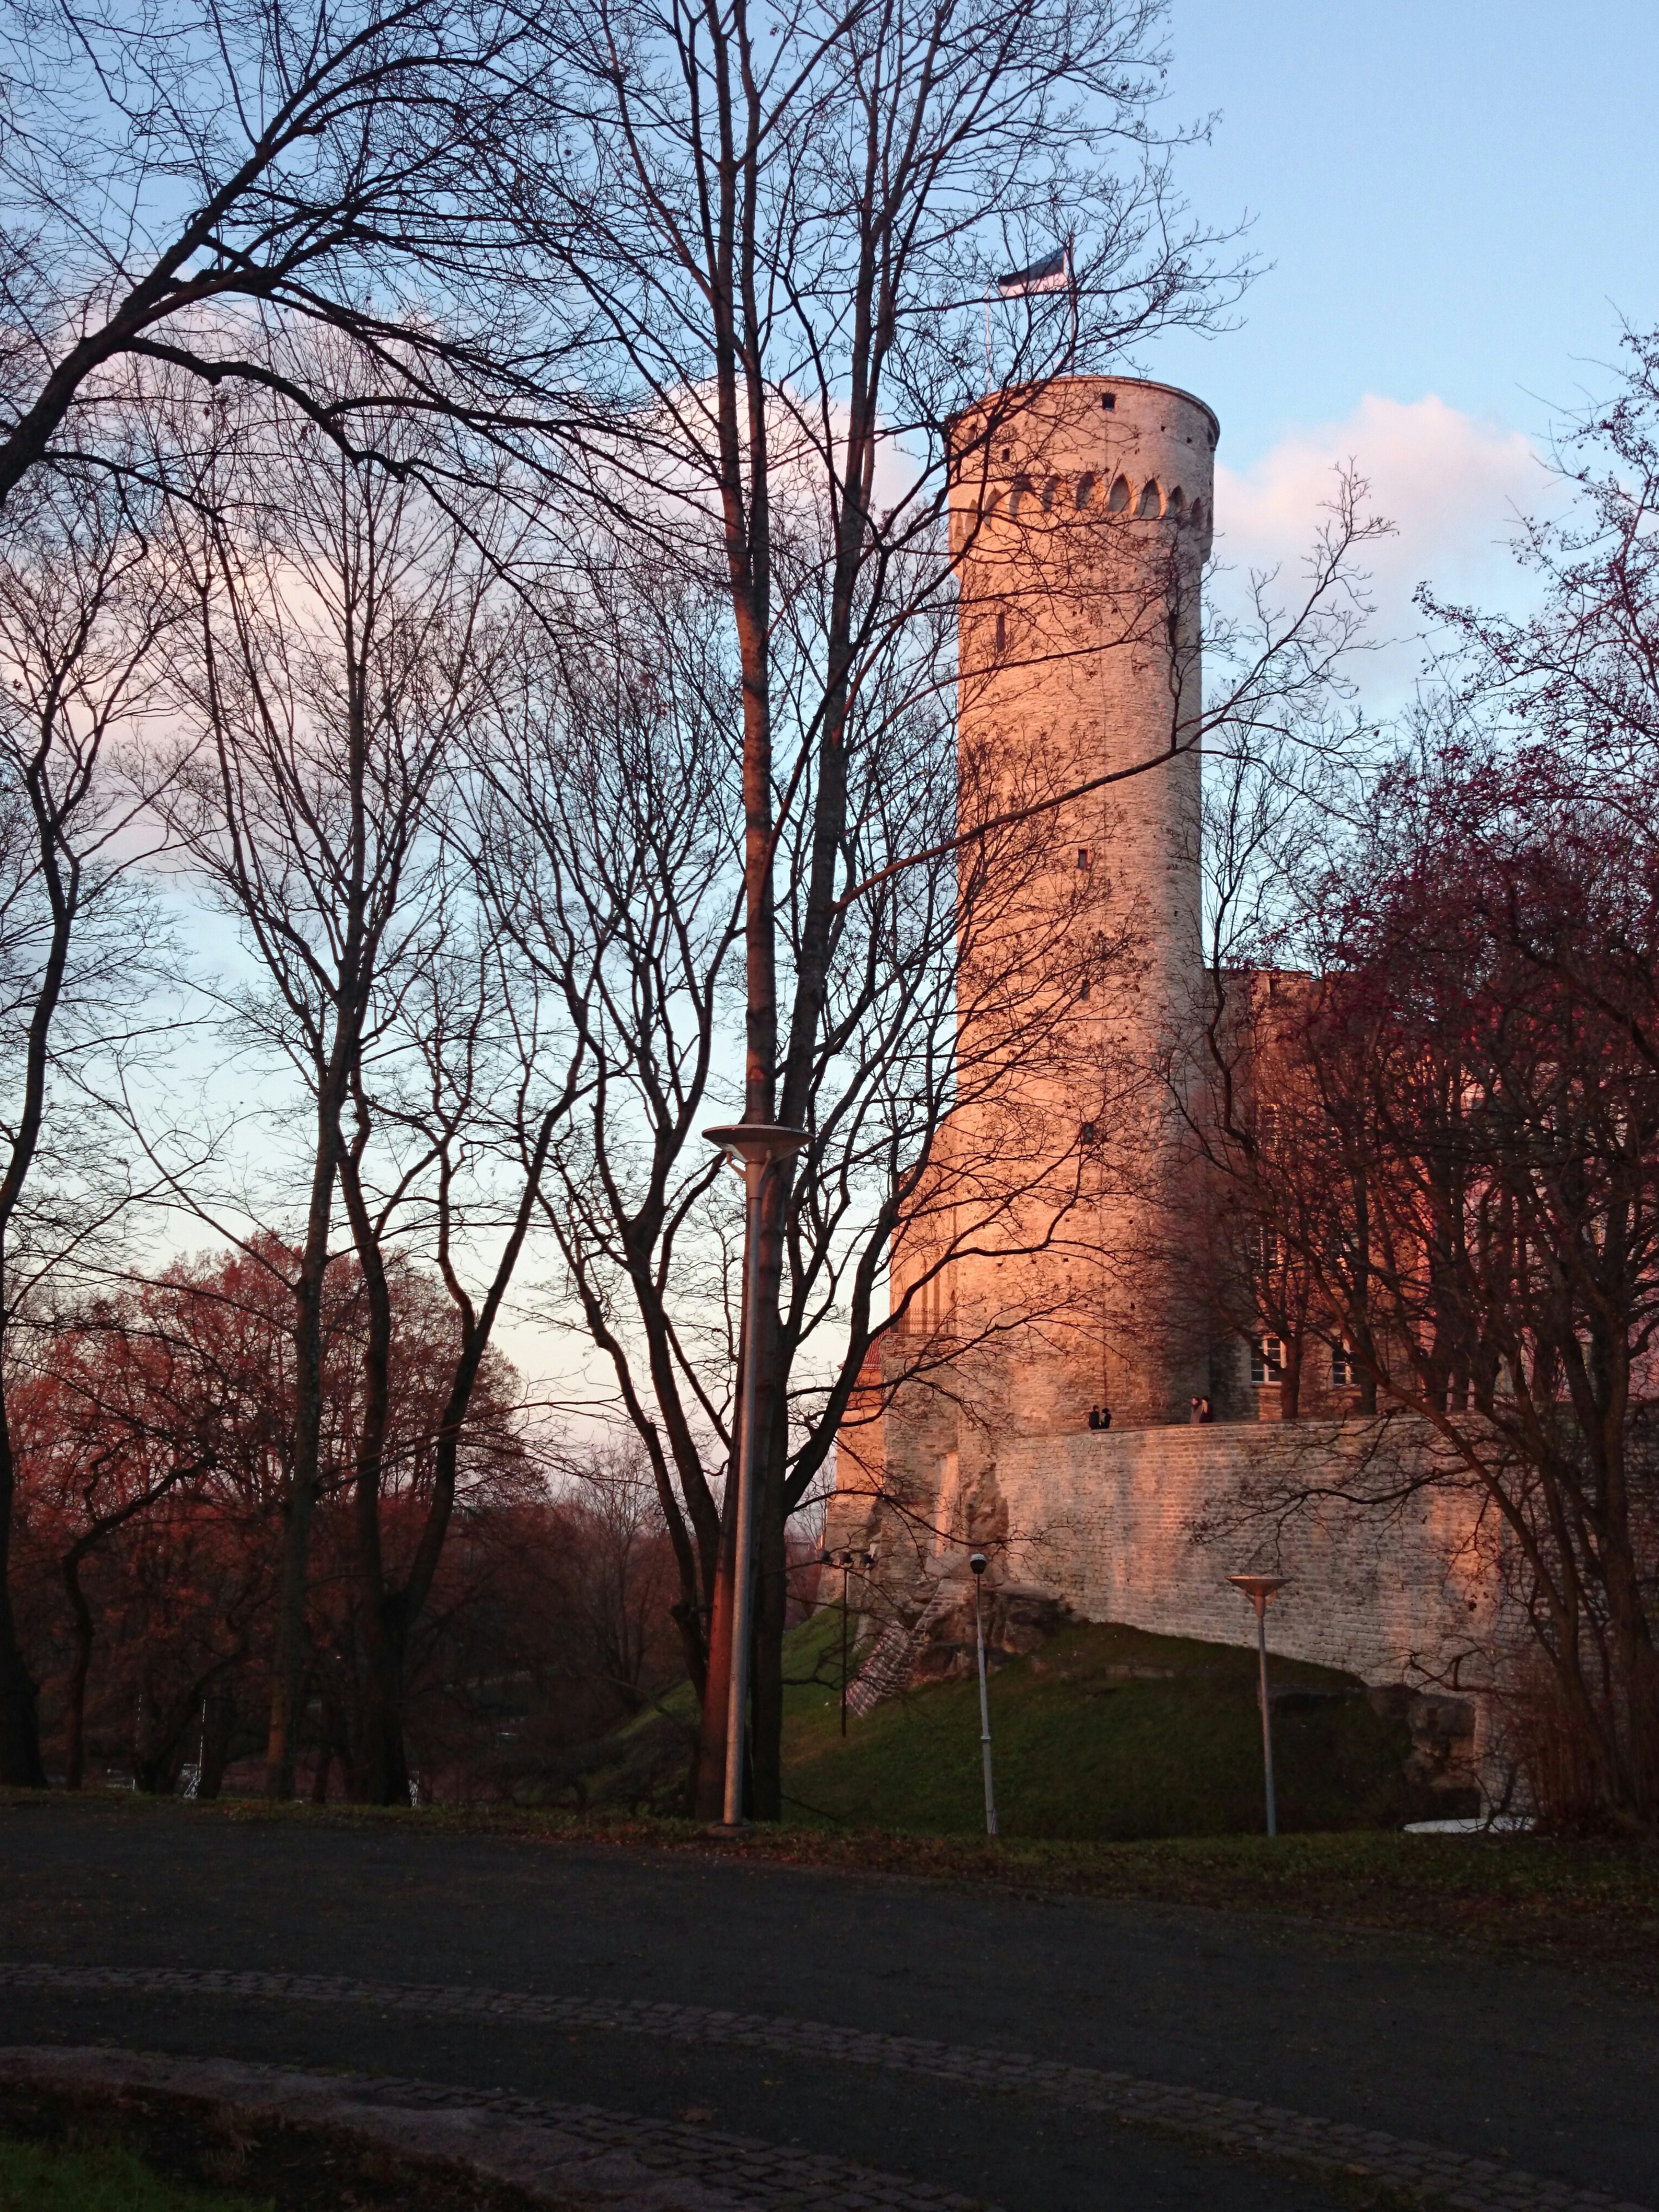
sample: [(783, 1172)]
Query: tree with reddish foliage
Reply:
[(1463, 1098), (156, 1453)]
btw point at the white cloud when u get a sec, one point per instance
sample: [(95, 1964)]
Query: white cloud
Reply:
[(1453, 484)]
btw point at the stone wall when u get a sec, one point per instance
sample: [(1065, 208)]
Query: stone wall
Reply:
[(1143, 1526)]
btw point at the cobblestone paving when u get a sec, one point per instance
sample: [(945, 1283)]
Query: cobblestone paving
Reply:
[(568, 2153), (1416, 2171)]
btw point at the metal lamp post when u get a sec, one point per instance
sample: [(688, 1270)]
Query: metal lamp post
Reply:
[(752, 1147), (847, 1559), (1261, 1589), (977, 1563)]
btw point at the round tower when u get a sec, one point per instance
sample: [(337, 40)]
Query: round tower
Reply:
[(1080, 519)]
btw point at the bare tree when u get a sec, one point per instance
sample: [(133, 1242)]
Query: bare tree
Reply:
[(611, 839), (330, 670), (465, 1094), (82, 602), (784, 227), (1448, 1121), (182, 186)]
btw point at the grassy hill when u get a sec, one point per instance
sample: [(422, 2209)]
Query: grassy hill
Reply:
[(1105, 1733)]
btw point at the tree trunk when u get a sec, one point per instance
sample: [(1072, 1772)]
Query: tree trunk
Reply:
[(287, 1672), (772, 1426), (75, 1717), (219, 1720), (1290, 1376), (771, 1612), (380, 1774), (710, 1788), (21, 1767)]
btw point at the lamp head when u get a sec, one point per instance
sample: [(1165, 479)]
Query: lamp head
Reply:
[(1261, 1590), (976, 1561), (756, 1144)]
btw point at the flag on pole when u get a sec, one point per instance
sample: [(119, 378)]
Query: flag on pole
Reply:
[(1053, 274)]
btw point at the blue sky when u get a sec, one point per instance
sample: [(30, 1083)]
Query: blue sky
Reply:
[(1458, 198), (1458, 205)]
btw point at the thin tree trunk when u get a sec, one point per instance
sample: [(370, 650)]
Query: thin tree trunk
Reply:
[(20, 1720), (218, 1731), (380, 1774), (74, 1718), (20, 1725), (287, 1672), (710, 1784), (771, 1414), (771, 1612)]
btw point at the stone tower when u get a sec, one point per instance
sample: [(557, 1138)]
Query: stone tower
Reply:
[(1080, 516)]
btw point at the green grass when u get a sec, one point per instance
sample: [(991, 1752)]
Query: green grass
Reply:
[(36, 2179), (1105, 1734)]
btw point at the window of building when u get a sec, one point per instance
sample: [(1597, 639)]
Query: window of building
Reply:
[(1002, 633), (1118, 501), (1086, 859), (1109, 401), (1268, 1126), (1267, 1359), (1341, 1366), (1152, 501), (1177, 502), (1266, 1248), (1085, 490)]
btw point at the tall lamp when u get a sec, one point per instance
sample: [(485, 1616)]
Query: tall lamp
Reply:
[(752, 1147), (1261, 1589)]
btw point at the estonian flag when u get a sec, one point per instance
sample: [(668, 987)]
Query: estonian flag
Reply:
[(1054, 275)]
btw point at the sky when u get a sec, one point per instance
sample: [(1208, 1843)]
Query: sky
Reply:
[(1457, 204)]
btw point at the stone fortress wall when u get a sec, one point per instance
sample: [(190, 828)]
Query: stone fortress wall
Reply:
[(1081, 533), (1144, 1526)]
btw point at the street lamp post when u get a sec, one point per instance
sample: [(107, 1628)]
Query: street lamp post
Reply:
[(977, 1563), (752, 1147), (1261, 1589), (847, 1559)]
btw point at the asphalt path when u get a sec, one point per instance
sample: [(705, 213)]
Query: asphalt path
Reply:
[(1533, 2064)]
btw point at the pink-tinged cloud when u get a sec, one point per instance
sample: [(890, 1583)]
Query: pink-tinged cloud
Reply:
[(1453, 484)]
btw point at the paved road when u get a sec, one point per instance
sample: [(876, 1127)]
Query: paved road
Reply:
[(1533, 2064)]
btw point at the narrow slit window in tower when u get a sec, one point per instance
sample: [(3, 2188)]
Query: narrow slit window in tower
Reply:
[(1109, 401), (1084, 857)]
